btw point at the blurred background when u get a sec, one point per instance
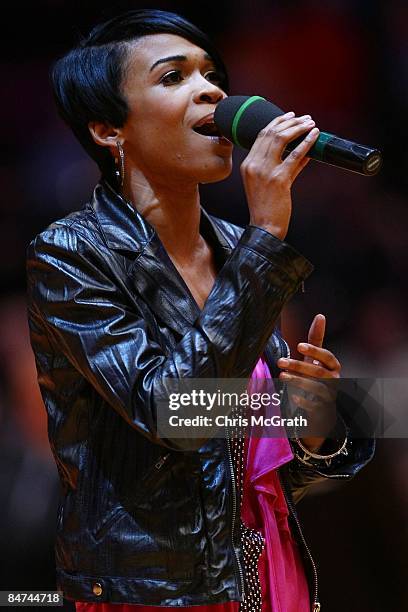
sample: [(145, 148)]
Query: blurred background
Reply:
[(346, 63)]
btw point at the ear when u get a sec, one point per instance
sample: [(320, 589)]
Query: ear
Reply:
[(104, 134)]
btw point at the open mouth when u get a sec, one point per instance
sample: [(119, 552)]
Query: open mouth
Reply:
[(208, 129)]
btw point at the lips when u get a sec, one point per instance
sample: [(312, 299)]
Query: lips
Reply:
[(207, 127)]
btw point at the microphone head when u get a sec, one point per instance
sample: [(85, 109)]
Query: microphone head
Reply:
[(241, 118)]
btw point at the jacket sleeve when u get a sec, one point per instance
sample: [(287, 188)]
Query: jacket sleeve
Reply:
[(74, 298), (300, 477), (361, 422)]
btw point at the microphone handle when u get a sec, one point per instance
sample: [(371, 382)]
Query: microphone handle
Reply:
[(342, 153)]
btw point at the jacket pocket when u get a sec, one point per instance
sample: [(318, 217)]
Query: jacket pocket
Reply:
[(152, 477)]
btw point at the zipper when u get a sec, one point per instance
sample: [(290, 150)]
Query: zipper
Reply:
[(234, 513), (150, 476), (161, 462), (316, 603)]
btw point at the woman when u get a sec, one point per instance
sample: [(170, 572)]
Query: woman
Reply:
[(141, 288)]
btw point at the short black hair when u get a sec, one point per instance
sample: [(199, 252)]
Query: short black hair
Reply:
[(87, 80)]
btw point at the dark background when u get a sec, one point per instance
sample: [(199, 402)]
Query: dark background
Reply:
[(346, 63)]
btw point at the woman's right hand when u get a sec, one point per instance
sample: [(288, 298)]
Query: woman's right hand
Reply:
[(268, 179)]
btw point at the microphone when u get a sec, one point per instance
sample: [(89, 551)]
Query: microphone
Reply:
[(241, 118)]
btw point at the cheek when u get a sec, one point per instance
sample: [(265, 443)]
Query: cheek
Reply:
[(157, 135), (161, 115)]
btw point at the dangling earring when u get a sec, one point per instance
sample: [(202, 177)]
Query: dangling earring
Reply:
[(120, 172)]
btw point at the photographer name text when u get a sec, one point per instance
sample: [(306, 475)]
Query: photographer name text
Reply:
[(223, 420)]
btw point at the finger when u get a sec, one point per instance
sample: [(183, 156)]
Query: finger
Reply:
[(293, 121), (287, 117), (316, 353), (316, 334), (321, 418), (281, 118), (325, 391), (304, 403), (273, 126), (288, 131), (294, 158), (305, 368), (317, 330), (271, 143), (300, 167)]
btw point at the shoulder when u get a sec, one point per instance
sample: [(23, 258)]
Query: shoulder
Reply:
[(71, 233)]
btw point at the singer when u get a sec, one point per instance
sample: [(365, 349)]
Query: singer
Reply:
[(141, 287)]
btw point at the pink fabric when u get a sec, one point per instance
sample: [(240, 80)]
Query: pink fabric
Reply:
[(281, 573)]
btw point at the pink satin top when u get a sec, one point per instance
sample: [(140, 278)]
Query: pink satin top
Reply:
[(283, 583)]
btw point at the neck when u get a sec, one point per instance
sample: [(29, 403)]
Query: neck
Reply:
[(173, 210)]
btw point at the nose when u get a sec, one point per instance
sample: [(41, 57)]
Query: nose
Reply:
[(208, 92)]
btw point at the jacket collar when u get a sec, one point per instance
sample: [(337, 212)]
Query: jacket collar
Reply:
[(125, 229), (153, 274)]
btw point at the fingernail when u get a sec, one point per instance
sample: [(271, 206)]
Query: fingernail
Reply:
[(306, 117), (283, 362), (312, 134), (302, 346)]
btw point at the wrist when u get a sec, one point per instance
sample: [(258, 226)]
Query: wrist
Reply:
[(311, 456), (275, 230), (312, 444)]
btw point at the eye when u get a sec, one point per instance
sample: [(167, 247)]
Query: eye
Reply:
[(171, 78), (214, 77)]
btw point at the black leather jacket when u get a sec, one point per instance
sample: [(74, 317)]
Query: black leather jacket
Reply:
[(146, 520)]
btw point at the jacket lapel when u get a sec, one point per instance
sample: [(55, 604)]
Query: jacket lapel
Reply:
[(158, 282), (152, 273)]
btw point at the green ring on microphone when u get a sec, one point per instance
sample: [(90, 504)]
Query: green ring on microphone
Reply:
[(320, 144), (238, 116)]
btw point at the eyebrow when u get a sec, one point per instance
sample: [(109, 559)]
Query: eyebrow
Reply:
[(176, 58)]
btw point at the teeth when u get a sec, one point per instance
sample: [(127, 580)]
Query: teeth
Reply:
[(208, 119)]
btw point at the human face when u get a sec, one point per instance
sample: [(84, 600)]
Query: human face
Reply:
[(166, 99)]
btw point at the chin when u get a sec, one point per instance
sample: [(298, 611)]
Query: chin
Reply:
[(218, 172)]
